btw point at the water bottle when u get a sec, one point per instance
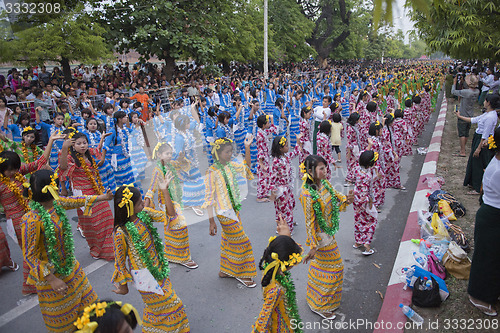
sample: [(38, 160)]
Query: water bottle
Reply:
[(428, 284), (411, 314), (420, 260)]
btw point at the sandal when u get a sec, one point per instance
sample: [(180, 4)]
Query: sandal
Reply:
[(80, 230), (332, 315), (356, 247), (473, 192), (14, 267), (197, 211), (487, 310), (248, 284), (190, 264), (263, 200), (368, 252)]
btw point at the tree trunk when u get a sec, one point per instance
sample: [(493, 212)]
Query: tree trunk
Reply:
[(66, 69), (169, 67), (323, 62)]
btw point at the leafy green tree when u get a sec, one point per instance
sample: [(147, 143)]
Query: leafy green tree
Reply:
[(466, 29), (67, 37), (332, 20), (167, 29), (290, 29)]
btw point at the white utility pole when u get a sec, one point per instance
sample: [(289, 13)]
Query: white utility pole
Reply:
[(266, 69)]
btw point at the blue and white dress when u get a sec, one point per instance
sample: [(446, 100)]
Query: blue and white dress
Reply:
[(193, 184), (137, 154), (117, 148), (252, 128), (105, 171), (17, 132), (269, 105)]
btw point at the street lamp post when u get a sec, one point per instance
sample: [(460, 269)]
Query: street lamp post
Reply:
[(266, 68)]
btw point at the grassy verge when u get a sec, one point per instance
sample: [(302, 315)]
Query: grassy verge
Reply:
[(456, 314)]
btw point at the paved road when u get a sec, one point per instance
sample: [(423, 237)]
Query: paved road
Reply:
[(223, 305)]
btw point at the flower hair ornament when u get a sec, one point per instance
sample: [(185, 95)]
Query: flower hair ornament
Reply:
[(217, 144), (2, 160), (52, 187), (282, 141), (27, 128), (127, 200), (98, 309), (267, 118), (377, 123), (491, 143), (276, 264), (157, 147), (375, 157), (303, 170)]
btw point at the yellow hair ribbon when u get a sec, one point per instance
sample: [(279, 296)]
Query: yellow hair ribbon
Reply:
[(276, 264), (491, 142), (271, 239), (52, 188), (27, 128), (2, 160), (216, 146), (157, 147), (267, 118), (127, 308), (127, 201), (375, 157), (392, 114), (377, 123), (282, 141)]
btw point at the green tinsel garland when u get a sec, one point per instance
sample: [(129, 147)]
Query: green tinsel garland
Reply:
[(177, 187), (158, 274), (286, 281), (235, 198), (63, 269), (317, 209)]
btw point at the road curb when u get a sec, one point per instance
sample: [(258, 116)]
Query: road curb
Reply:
[(391, 318)]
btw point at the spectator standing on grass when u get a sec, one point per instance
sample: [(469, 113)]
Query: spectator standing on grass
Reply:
[(469, 96), (479, 155), (484, 280), (487, 79)]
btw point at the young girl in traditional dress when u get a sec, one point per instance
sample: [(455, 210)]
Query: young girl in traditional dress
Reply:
[(61, 284), (353, 147), (137, 243), (365, 214), (29, 151), (96, 141), (176, 232), (223, 197), (401, 132), (324, 146), (409, 118), (374, 141), (107, 116), (280, 303), (281, 178), (11, 193), (77, 164), (18, 127), (136, 147), (392, 102), (391, 157), (116, 146), (264, 134), (321, 205), (305, 133), (193, 186), (51, 129)]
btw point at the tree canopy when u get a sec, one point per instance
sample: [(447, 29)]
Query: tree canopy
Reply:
[(466, 29), (70, 35)]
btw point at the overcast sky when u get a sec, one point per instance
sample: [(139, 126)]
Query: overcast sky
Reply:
[(400, 18)]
